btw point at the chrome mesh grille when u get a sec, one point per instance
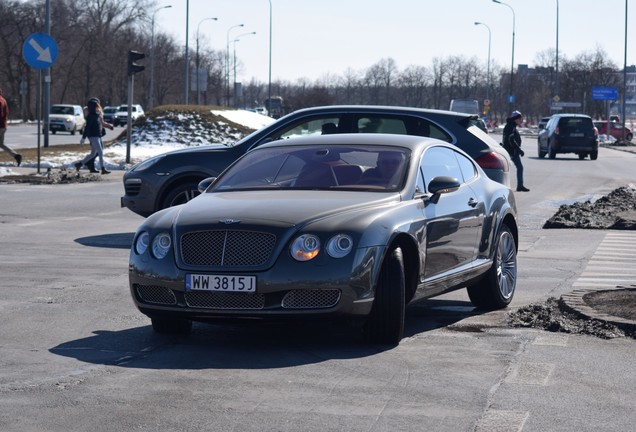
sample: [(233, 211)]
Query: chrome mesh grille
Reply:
[(155, 294), (226, 248), (224, 300), (311, 299)]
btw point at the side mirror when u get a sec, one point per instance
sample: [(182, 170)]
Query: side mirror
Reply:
[(442, 185), (205, 183)]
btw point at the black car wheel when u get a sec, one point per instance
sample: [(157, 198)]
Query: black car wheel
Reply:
[(496, 289), (629, 137), (594, 155), (582, 156), (167, 325), (180, 194), (540, 152), (551, 151), (385, 324)]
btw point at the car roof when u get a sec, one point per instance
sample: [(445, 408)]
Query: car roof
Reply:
[(572, 115), (384, 108)]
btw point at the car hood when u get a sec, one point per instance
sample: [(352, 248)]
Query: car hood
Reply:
[(274, 208)]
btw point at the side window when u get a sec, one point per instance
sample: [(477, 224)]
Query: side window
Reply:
[(440, 161), (377, 124), (467, 167), (312, 126)]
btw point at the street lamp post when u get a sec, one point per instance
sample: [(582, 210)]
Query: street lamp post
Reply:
[(488, 73), (197, 60), (227, 63), (556, 79), (269, 87), (152, 56), (187, 65), (512, 65), (234, 62)]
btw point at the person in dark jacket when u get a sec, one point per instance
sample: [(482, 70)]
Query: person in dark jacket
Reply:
[(512, 144), (94, 125)]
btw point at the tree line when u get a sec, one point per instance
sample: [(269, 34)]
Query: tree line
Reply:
[(94, 37)]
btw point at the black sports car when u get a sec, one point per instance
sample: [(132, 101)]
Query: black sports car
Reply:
[(172, 178), (342, 225)]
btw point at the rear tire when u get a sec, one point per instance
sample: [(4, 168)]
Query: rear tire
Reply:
[(582, 156), (496, 289), (551, 152), (385, 324), (165, 325), (594, 155)]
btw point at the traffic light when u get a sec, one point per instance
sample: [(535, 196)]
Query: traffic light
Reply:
[(133, 67)]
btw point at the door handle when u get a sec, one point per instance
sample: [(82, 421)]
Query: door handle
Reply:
[(473, 202)]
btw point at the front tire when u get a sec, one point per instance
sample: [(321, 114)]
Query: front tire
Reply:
[(496, 289), (181, 194), (594, 155), (385, 324), (551, 152)]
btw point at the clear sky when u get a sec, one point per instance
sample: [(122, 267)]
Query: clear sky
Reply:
[(312, 39)]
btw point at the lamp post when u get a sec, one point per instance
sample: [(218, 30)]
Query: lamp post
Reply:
[(556, 78), (227, 63), (234, 62), (488, 73), (152, 56), (197, 59), (187, 65), (512, 65), (269, 87), (624, 77)]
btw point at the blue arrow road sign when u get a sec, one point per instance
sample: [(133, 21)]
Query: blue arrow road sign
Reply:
[(39, 50), (604, 93)]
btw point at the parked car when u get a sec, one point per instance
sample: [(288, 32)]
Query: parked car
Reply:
[(109, 114), (66, 118), (615, 130), (569, 133), (121, 115), (543, 122), (258, 241), (172, 178)]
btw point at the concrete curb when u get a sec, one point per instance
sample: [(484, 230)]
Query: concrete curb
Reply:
[(574, 302)]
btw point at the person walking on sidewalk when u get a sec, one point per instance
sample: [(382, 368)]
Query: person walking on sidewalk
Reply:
[(4, 123), (94, 125), (512, 144)]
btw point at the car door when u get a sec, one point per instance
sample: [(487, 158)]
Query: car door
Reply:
[(454, 223)]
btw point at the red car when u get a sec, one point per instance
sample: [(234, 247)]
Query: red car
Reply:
[(616, 129)]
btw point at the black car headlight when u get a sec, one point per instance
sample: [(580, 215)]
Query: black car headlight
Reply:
[(307, 246), (161, 245), (142, 242), (339, 245)]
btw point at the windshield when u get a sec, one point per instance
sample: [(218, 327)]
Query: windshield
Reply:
[(64, 110), (317, 167)]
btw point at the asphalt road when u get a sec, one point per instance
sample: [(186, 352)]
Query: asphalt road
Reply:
[(77, 356)]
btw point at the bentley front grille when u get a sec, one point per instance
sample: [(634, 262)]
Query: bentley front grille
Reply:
[(224, 248)]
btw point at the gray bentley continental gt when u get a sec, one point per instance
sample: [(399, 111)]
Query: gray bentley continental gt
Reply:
[(345, 225)]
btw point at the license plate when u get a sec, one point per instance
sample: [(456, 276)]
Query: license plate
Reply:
[(223, 283), (577, 134)]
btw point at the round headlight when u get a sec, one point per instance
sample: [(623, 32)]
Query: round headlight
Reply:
[(305, 247), (339, 246), (141, 245), (161, 245)]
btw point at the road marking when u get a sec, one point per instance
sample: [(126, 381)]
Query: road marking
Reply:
[(531, 373), (613, 263), (502, 421)]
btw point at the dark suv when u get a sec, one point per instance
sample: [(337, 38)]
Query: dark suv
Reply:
[(569, 133), (172, 178)]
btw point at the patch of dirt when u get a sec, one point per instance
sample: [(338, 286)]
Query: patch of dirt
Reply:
[(61, 176), (617, 211), (618, 303), (551, 316)]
